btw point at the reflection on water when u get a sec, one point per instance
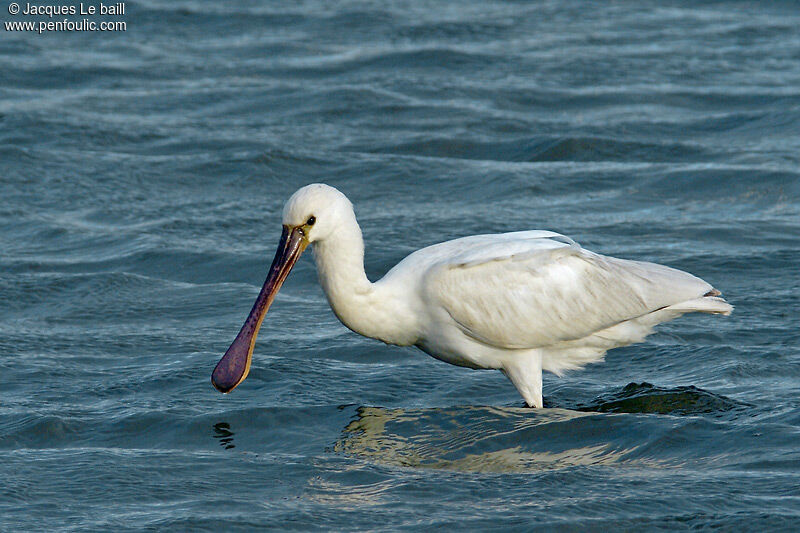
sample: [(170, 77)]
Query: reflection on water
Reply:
[(223, 433), (346, 496), (509, 439), (480, 439)]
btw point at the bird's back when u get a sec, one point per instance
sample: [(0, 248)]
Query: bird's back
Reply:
[(537, 289)]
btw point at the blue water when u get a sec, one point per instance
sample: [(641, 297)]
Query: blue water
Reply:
[(142, 175)]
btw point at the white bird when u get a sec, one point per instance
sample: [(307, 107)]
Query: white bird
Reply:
[(518, 302)]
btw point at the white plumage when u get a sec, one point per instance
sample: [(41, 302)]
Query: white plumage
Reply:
[(518, 302)]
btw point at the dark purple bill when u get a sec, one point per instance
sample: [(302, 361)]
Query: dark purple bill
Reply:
[(235, 364)]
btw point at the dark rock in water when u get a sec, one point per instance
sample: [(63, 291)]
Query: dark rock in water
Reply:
[(648, 398)]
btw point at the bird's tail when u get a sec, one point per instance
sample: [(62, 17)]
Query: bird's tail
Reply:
[(712, 303)]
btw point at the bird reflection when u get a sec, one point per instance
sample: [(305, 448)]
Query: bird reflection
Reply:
[(478, 439), (515, 439), (223, 433)]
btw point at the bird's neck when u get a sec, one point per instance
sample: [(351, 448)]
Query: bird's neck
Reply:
[(366, 308)]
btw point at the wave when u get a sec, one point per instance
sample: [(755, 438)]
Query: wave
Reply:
[(543, 149), (611, 431)]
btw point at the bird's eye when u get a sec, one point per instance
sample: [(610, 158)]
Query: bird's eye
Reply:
[(311, 220)]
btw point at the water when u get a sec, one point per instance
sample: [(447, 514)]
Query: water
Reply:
[(142, 175)]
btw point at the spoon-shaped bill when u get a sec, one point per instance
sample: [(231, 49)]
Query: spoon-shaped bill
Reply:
[(235, 364)]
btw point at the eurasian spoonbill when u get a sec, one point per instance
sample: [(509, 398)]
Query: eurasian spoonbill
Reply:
[(519, 302)]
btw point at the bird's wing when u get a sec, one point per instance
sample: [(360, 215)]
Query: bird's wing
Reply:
[(526, 290)]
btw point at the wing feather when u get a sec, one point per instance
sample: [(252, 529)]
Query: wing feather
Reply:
[(520, 293)]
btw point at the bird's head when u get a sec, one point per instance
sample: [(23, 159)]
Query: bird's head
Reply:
[(311, 214), (315, 211)]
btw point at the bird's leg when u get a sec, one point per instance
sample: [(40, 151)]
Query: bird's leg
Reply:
[(525, 372)]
